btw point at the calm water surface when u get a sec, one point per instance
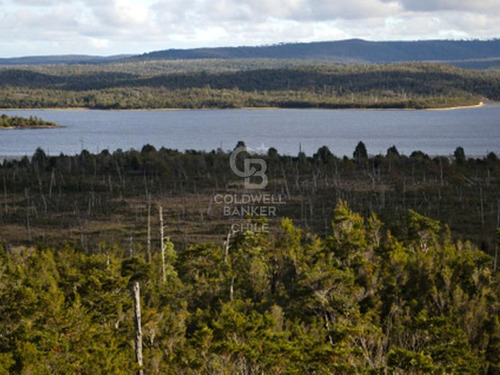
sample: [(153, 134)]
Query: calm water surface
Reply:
[(434, 132)]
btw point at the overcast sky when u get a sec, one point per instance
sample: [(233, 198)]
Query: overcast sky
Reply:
[(106, 27)]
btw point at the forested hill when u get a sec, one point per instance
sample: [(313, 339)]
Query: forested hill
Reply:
[(352, 50), (476, 54), (412, 85)]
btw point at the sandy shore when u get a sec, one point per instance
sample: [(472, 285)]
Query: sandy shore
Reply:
[(480, 104)]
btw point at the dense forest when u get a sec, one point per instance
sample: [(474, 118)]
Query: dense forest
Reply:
[(328, 287), (298, 86), (9, 122), (357, 301)]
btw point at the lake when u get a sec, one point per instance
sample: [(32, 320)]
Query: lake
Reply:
[(436, 132)]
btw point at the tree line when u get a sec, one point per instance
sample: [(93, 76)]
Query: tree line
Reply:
[(22, 122), (358, 86), (77, 193)]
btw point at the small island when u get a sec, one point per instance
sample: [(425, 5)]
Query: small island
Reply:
[(17, 122)]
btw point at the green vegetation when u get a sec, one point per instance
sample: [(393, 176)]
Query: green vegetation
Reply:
[(90, 198), (150, 67), (375, 264), (359, 301), (330, 287), (7, 122), (211, 84)]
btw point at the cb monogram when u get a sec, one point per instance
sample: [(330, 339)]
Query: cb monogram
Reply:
[(248, 170)]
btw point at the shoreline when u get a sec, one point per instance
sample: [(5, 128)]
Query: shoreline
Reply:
[(31, 127), (42, 126), (479, 105)]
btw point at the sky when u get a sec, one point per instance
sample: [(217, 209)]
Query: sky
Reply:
[(108, 27)]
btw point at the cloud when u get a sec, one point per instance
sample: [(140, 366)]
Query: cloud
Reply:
[(99, 43), (480, 6), (322, 10), (136, 26), (121, 13), (297, 10), (34, 2)]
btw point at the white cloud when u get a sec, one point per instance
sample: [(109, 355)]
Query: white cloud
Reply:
[(121, 13), (136, 26), (354, 9), (480, 6), (99, 43)]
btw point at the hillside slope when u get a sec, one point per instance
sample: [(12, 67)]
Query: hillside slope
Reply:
[(352, 50)]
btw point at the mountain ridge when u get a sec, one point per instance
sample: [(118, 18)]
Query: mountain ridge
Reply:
[(464, 53), (348, 51)]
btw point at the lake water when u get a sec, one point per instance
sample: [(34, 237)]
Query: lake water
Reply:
[(433, 132)]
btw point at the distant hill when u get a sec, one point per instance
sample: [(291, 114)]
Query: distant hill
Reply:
[(477, 63), (60, 60), (472, 54), (352, 50)]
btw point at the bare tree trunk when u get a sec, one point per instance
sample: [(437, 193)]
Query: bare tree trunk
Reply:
[(162, 244), (495, 262), (202, 217), (327, 326), (131, 245), (231, 288), (297, 177), (52, 182), (146, 184), (481, 201), (110, 184), (286, 182), (122, 183), (4, 192), (498, 213), (441, 171), (149, 230), (26, 192), (138, 328), (226, 247)]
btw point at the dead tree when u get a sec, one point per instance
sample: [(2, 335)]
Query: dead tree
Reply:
[(227, 243), (149, 229), (5, 193), (481, 206), (138, 328), (52, 182), (162, 244), (28, 226)]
